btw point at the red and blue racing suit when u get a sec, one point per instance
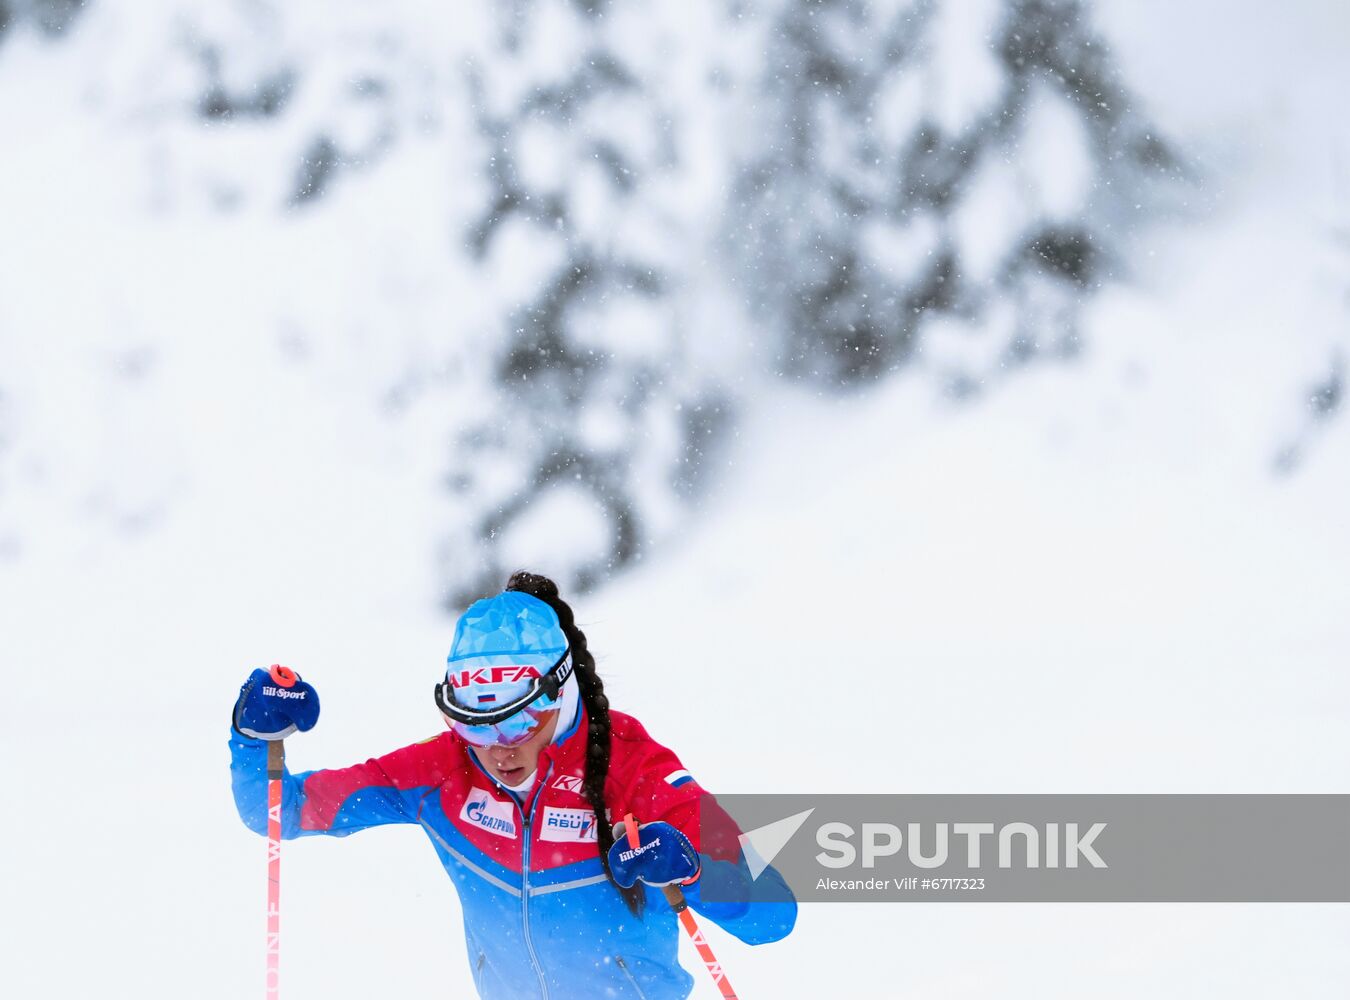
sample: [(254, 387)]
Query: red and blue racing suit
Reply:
[(540, 917)]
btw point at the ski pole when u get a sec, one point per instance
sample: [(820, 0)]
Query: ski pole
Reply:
[(276, 766), (276, 757), (675, 897)]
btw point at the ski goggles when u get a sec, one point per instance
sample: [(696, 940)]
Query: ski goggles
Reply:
[(520, 728), (513, 723)]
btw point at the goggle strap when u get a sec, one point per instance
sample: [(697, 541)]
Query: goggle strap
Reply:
[(552, 682)]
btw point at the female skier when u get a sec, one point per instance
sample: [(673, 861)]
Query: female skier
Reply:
[(518, 799)]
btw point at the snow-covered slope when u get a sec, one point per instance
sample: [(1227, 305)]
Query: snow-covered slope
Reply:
[(1094, 578)]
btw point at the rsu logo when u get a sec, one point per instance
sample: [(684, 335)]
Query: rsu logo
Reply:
[(569, 826), (511, 673)]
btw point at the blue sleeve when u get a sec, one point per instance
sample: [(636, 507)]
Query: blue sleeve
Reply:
[(335, 803), (248, 776), (756, 910)]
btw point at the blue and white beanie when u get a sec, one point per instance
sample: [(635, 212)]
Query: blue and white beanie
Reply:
[(501, 645)]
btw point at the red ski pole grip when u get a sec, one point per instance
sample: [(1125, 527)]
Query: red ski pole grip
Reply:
[(630, 828), (283, 676)]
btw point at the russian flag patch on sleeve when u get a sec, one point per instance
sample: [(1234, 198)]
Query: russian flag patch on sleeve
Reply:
[(677, 778)]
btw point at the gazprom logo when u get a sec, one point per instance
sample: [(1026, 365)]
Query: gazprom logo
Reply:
[(486, 813)]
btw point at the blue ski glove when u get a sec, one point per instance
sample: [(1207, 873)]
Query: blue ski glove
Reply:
[(663, 856), (275, 703)]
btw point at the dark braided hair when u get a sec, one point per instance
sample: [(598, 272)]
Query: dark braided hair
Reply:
[(597, 713)]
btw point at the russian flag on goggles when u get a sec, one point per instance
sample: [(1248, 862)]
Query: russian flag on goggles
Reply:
[(467, 699)]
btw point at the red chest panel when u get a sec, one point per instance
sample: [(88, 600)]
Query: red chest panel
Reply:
[(557, 817)]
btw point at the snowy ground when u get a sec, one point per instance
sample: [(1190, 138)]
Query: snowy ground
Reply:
[(1088, 581)]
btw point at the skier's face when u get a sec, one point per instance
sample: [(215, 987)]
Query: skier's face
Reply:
[(512, 765)]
